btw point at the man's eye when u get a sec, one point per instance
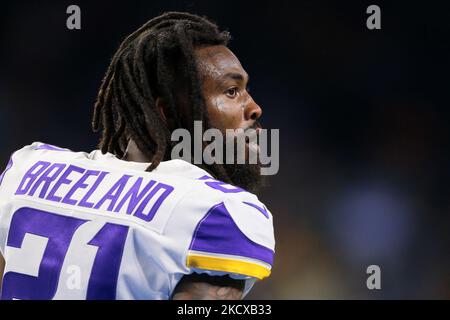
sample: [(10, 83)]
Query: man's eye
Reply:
[(232, 92)]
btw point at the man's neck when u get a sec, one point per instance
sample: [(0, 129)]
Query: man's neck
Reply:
[(132, 153)]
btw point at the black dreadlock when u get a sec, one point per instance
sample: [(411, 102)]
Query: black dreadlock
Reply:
[(149, 64)]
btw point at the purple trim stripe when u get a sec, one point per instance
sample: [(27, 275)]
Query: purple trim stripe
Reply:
[(262, 210), (218, 233), (8, 166), (50, 147)]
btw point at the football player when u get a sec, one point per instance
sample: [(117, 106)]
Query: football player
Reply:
[(127, 221)]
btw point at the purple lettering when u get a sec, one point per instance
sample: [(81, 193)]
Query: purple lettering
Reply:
[(63, 180), (149, 216), (79, 185), (31, 175), (134, 195), (221, 186), (84, 202), (46, 178), (114, 193)]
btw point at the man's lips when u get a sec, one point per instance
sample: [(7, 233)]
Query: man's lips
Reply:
[(256, 128), (252, 133)]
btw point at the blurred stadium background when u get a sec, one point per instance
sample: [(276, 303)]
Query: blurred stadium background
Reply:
[(363, 118)]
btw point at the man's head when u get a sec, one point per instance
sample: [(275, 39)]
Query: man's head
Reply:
[(174, 70), (225, 89)]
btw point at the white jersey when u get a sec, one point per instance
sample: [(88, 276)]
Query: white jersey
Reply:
[(76, 225)]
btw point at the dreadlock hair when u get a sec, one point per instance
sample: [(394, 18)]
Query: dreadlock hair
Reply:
[(149, 64)]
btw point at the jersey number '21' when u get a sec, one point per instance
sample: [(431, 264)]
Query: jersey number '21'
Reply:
[(58, 232)]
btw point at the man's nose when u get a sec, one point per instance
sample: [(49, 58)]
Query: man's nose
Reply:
[(253, 111)]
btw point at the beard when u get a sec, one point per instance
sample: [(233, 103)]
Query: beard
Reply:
[(244, 173), (246, 176)]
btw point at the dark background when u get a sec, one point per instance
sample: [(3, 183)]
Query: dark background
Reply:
[(363, 118)]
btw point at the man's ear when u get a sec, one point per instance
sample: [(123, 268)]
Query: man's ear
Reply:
[(165, 114)]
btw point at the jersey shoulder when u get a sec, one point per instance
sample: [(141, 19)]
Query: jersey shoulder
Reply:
[(233, 234), (21, 159)]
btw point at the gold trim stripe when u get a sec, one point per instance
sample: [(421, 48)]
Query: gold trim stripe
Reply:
[(227, 265)]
